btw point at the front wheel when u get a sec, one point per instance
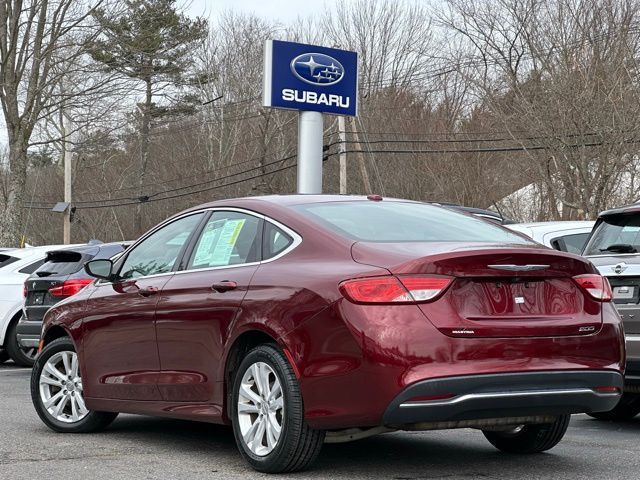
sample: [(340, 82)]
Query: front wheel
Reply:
[(627, 408), (529, 438), (268, 414), (57, 393)]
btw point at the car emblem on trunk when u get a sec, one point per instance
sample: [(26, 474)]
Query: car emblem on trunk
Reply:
[(619, 268)]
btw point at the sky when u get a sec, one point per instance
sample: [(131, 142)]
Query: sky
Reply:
[(282, 10)]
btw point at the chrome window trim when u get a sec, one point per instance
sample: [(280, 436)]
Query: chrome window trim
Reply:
[(297, 240)]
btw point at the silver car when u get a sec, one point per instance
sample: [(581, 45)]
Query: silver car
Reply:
[(614, 248)]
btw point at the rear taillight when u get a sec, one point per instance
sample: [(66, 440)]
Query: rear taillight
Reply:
[(24, 290), (69, 287), (401, 289), (596, 286)]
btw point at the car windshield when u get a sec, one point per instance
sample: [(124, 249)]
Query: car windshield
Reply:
[(615, 234), (405, 222)]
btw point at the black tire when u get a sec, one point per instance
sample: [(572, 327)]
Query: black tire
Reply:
[(298, 445), (92, 422), (627, 408), (15, 351), (530, 438), (4, 356)]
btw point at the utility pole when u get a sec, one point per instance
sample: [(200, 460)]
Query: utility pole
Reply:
[(342, 135), (361, 161), (68, 157)]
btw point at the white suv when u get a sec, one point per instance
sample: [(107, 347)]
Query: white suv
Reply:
[(15, 266)]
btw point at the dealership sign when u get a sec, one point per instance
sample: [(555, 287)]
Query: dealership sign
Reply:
[(310, 78)]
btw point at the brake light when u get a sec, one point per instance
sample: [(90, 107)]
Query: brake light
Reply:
[(69, 287), (596, 286), (401, 289)]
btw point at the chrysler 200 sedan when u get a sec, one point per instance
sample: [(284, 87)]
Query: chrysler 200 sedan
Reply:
[(307, 319)]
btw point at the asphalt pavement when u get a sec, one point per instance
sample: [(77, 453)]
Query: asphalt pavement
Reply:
[(137, 447)]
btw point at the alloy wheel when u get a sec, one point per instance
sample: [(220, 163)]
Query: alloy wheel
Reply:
[(60, 388), (260, 408), (29, 352)]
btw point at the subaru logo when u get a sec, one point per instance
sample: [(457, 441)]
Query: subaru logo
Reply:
[(619, 268), (317, 69)]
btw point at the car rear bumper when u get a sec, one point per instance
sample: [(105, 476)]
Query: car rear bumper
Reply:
[(28, 333), (504, 395)]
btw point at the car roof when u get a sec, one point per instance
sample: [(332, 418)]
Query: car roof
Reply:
[(555, 225), (29, 251), (297, 199), (624, 209)]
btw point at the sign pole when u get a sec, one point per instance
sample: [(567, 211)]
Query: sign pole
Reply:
[(313, 80), (310, 129)]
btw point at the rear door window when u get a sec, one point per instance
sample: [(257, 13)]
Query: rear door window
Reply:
[(228, 238)]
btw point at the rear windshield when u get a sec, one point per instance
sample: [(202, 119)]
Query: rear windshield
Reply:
[(615, 234), (63, 263), (405, 222)]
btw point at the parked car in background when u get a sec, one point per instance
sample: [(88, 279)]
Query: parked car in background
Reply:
[(478, 212), (304, 318), (564, 236), (15, 267), (614, 248), (60, 276)]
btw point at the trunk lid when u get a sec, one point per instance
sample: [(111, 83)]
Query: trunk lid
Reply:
[(498, 290)]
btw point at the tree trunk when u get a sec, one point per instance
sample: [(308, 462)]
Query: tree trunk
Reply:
[(144, 155), (12, 226)]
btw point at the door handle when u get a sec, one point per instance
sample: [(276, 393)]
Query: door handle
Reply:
[(224, 286), (148, 291)]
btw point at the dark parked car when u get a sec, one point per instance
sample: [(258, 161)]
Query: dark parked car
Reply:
[(614, 248), (60, 276), (305, 319)]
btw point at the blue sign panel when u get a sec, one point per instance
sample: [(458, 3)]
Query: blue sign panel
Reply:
[(309, 77)]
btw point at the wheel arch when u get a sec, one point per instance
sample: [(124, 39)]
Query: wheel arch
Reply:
[(243, 343), (55, 332), (13, 317)]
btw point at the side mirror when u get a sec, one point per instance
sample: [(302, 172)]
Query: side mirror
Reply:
[(100, 269)]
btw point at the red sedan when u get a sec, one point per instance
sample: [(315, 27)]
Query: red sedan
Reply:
[(301, 320)]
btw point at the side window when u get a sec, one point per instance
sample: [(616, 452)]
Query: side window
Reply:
[(33, 267), (159, 251), (228, 238), (274, 241), (571, 243)]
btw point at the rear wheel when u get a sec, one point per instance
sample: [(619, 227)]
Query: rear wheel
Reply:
[(57, 394), (268, 414), (23, 356), (627, 408), (529, 438)]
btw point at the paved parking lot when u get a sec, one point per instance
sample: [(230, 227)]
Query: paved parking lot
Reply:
[(136, 447)]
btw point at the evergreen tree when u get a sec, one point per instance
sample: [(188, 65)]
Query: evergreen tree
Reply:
[(152, 42)]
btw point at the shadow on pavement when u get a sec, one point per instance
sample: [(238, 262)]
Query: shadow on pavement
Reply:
[(401, 456)]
